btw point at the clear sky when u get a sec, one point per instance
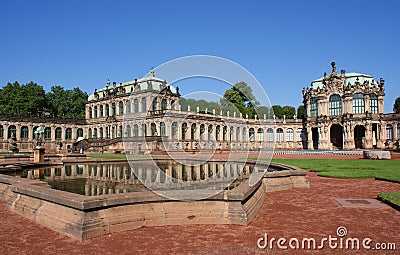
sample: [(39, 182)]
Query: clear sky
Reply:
[(284, 44)]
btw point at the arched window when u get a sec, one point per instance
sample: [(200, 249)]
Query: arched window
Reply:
[(135, 105), (373, 104), (90, 112), (107, 110), (358, 103), (224, 133), (95, 112), (128, 107), (94, 132), (335, 105), (144, 130), (313, 107), (24, 132), (153, 129), (260, 135), (244, 134), (68, 133), (210, 131), (184, 129), (174, 130), (231, 133), (289, 135), (113, 109), (135, 130), (1, 132), (58, 132), (121, 108), (251, 135), (270, 135), (101, 134), (79, 133), (193, 131), (279, 135), (237, 133), (144, 104), (162, 129), (12, 132), (128, 131), (389, 132), (154, 105), (217, 132), (163, 104), (299, 135), (101, 113), (47, 133), (202, 131), (173, 105), (120, 131)]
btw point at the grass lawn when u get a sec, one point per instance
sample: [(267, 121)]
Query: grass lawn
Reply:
[(388, 170)]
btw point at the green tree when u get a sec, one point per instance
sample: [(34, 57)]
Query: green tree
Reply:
[(300, 112), (28, 99), (289, 111), (67, 103), (240, 97), (396, 106), (278, 111)]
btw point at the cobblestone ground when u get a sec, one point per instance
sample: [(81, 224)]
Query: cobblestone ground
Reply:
[(295, 213)]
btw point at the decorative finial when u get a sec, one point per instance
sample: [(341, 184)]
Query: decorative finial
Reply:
[(333, 64)]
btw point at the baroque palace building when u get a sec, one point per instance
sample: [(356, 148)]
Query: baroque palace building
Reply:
[(342, 111)]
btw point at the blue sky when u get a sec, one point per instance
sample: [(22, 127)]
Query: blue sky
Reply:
[(284, 44)]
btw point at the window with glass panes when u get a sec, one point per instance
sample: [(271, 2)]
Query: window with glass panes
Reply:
[(358, 103), (313, 107), (373, 104), (335, 105)]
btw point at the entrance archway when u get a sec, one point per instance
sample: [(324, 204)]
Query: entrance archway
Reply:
[(315, 138), (337, 136), (359, 134)]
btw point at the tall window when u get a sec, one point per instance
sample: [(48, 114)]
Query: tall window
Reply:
[(12, 131), (58, 133), (358, 103), (164, 104), (128, 131), (162, 129), (193, 131), (135, 105), (144, 105), (289, 135), (101, 114), (90, 112), (128, 107), (47, 133), (79, 132), (95, 112), (144, 130), (174, 130), (389, 132), (279, 135), (224, 133), (335, 105), (113, 109), (299, 135), (24, 132), (251, 135), (217, 132), (94, 133), (121, 108), (373, 104), (184, 129), (154, 105), (107, 110), (202, 131), (210, 131), (153, 128), (68, 134), (260, 135), (313, 107), (270, 135), (101, 133), (1, 132), (135, 130)]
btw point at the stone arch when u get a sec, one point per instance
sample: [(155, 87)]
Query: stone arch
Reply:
[(336, 136), (359, 135)]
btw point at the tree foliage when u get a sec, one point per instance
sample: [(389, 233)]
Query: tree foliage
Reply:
[(300, 112), (240, 98), (396, 106), (278, 111), (28, 99), (289, 111), (31, 99)]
